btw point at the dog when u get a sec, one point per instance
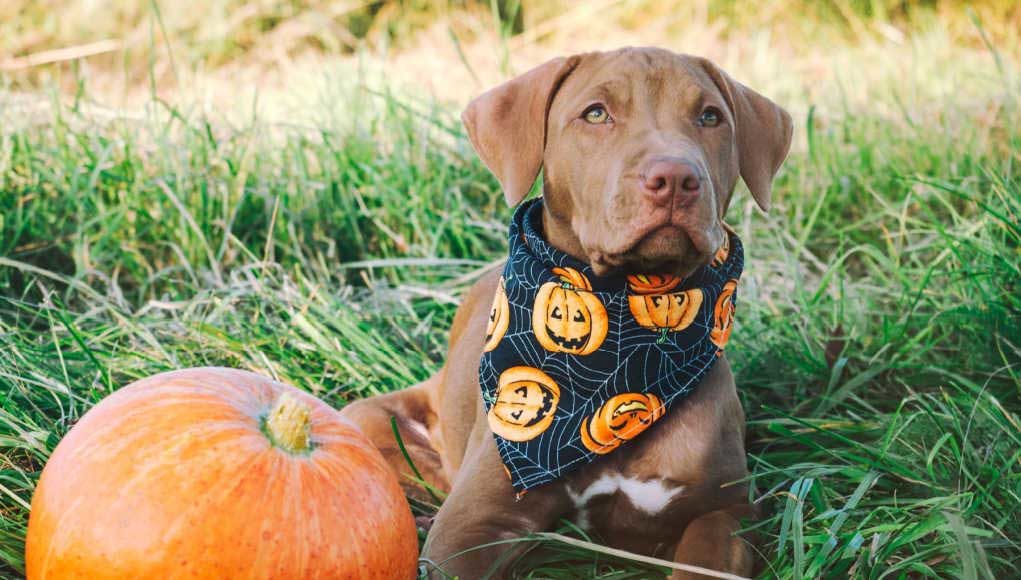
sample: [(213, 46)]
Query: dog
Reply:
[(641, 149)]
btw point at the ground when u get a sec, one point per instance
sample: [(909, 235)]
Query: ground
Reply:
[(324, 236)]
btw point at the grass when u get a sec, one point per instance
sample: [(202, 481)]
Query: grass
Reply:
[(878, 343)]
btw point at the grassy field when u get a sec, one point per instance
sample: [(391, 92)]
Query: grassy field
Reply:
[(878, 345)]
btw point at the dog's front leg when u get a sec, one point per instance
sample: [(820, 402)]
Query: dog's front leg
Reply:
[(710, 541), (482, 509)]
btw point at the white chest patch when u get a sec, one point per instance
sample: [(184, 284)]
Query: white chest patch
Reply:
[(650, 496)]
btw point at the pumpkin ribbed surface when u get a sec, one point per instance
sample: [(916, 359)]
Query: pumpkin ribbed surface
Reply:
[(177, 476)]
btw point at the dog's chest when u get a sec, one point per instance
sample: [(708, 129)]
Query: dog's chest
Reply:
[(639, 496), (622, 493), (626, 510)]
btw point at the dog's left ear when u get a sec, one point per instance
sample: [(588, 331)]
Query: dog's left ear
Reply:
[(762, 130)]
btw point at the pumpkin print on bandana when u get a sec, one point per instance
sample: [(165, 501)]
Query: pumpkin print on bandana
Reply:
[(721, 255), (723, 315), (567, 316), (661, 312), (526, 399), (651, 284), (620, 419), (499, 319), (588, 363)]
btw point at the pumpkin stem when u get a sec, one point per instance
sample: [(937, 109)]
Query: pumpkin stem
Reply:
[(287, 424), (662, 335)]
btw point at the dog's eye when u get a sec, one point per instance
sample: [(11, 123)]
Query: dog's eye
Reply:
[(596, 114), (710, 117)]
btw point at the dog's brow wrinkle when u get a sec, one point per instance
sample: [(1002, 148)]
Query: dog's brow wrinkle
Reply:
[(608, 88)]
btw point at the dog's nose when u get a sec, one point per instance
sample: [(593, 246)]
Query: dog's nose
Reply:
[(666, 179)]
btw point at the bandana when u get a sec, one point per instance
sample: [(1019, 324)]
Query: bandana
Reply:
[(576, 365)]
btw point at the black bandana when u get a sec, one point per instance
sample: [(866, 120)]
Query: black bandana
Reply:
[(576, 365)]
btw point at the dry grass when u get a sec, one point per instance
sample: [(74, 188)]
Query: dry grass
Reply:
[(229, 54)]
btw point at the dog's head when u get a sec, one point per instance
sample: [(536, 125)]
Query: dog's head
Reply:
[(641, 147)]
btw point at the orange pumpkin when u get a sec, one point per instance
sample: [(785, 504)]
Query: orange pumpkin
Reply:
[(652, 283), (567, 316), (723, 315), (666, 312), (526, 399), (499, 318), (217, 473), (621, 418)]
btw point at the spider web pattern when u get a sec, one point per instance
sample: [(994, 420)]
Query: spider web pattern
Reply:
[(630, 359)]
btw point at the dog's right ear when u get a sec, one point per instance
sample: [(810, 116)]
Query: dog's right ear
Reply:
[(507, 125)]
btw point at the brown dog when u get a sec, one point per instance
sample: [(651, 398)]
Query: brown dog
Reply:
[(642, 149)]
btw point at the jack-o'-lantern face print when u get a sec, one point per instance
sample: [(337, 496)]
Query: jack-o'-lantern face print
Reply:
[(499, 319), (723, 315), (619, 419), (567, 316), (526, 399), (666, 312)]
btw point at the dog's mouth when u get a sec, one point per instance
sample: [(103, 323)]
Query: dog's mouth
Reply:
[(660, 248)]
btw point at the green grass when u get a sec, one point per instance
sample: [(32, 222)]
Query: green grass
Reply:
[(878, 346)]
